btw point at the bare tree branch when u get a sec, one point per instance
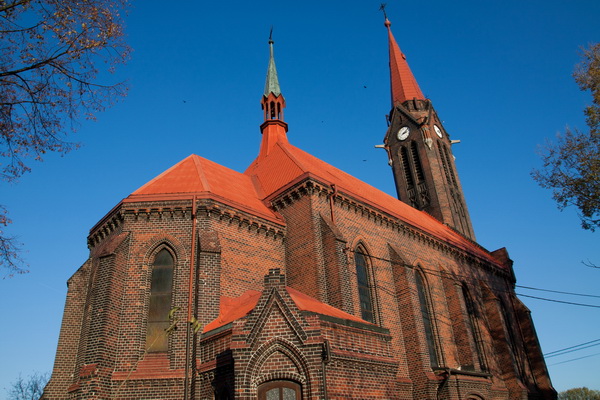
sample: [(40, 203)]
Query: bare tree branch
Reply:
[(30, 388), (49, 56), (590, 264)]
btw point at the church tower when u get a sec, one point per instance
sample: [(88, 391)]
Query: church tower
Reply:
[(420, 149)]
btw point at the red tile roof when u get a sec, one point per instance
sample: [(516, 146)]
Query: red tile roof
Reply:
[(287, 165), (307, 303), (198, 176), (232, 309), (275, 171)]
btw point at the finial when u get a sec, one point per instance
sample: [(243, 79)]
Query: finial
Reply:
[(387, 22), (271, 36)]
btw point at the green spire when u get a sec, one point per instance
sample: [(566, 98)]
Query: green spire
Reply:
[(272, 82)]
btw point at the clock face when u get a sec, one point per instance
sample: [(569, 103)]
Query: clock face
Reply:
[(403, 133), (438, 131)]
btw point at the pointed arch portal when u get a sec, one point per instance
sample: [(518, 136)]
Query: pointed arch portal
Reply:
[(280, 390)]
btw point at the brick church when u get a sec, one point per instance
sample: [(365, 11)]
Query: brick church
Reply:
[(295, 280)]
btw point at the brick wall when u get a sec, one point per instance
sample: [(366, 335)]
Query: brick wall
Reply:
[(102, 346)]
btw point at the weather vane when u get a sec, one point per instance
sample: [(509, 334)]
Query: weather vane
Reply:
[(271, 35), (382, 8)]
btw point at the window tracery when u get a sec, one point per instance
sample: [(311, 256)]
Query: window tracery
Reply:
[(161, 288), (427, 319), (364, 285)]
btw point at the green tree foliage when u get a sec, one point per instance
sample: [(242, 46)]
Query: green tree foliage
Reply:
[(30, 388), (50, 51), (579, 394), (571, 166)]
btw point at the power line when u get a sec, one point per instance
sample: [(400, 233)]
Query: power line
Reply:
[(442, 274), (575, 359), (558, 291), (571, 351), (572, 347), (559, 301)]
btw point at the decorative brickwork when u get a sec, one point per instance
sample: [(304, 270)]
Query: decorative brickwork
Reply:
[(266, 292)]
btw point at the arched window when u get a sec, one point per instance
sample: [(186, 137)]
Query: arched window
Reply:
[(279, 390), (420, 177), (161, 288), (410, 183), (427, 320), (473, 327), (364, 286), (510, 339)]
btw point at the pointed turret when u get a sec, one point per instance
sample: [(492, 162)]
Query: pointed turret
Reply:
[(272, 101), (272, 82), (404, 86), (273, 129), (420, 151)]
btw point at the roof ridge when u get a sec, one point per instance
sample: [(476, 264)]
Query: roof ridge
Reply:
[(293, 158), (257, 185), (201, 174)]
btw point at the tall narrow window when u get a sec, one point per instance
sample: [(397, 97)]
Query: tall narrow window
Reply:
[(427, 320), (161, 288), (444, 164), (406, 167), (364, 288), (417, 162), (450, 166), (473, 328), (510, 339)]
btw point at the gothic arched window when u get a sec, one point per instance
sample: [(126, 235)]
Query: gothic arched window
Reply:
[(364, 285), (161, 288), (427, 320), (510, 338), (420, 177), (473, 327)]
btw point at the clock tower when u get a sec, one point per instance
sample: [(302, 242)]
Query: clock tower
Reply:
[(419, 149)]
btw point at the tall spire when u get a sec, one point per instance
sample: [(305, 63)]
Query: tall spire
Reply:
[(272, 101), (272, 82), (273, 129), (404, 86)]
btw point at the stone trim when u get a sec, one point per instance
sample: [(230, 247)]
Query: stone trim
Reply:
[(274, 299)]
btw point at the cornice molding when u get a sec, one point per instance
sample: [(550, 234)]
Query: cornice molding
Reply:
[(313, 187), (181, 210)]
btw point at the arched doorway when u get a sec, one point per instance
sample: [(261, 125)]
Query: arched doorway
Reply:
[(279, 390)]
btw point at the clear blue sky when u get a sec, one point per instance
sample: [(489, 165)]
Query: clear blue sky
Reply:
[(498, 73)]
